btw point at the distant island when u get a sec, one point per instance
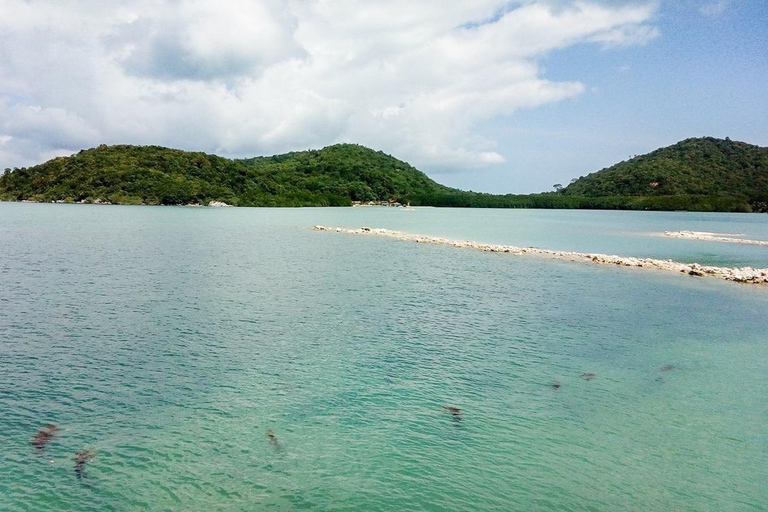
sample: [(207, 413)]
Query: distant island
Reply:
[(698, 174)]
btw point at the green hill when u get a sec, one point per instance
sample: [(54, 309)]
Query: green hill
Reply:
[(704, 174), (693, 168), (336, 175)]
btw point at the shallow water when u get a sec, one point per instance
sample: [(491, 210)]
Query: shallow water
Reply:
[(170, 339)]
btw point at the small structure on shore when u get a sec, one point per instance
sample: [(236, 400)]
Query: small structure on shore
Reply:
[(390, 202)]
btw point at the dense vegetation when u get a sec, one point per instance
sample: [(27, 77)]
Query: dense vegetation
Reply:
[(696, 174), (334, 176), (725, 171)]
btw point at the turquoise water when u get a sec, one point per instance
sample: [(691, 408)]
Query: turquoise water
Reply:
[(169, 340)]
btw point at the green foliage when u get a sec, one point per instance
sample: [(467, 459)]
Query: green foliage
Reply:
[(696, 174), (334, 176), (701, 203), (734, 172)]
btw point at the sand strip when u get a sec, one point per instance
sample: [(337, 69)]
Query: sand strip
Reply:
[(713, 237), (739, 275)]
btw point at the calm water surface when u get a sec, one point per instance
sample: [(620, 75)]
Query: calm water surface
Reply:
[(170, 339)]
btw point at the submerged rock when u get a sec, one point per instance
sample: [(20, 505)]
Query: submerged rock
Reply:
[(668, 368), (44, 436), (455, 411), (81, 458), (588, 376)]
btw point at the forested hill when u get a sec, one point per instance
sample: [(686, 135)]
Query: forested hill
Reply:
[(336, 175), (703, 174), (699, 166)]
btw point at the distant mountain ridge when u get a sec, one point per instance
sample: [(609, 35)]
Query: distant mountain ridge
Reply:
[(698, 174)]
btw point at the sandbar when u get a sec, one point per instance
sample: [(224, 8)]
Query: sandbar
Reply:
[(746, 275), (714, 237)]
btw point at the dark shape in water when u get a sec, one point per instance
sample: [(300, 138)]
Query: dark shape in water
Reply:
[(81, 458), (668, 368), (556, 384), (588, 376), (272, 437), (44, 435), (455, 411)]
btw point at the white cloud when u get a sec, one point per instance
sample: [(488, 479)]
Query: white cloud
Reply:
[(628, 35), (415, 78), (715, 7)]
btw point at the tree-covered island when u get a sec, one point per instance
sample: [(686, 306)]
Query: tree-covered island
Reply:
[(703, 174)]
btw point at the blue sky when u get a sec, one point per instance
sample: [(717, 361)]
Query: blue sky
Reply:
[(704, 75), (488, 95)]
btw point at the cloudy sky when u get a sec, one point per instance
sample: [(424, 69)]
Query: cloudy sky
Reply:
[(486, 95)]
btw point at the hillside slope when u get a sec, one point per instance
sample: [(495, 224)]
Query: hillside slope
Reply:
[(336, 175), (698, 166)]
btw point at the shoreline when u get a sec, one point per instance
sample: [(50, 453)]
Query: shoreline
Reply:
[(747, 275), (405, 208)]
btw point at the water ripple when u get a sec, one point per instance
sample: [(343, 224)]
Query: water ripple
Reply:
[(169, 343)]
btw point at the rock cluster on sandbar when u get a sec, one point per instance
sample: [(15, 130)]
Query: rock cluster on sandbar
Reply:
[(739, 275)]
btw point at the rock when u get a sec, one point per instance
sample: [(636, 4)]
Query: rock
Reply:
[(81, 458), (219, 204), (44, 436), (455, 411)]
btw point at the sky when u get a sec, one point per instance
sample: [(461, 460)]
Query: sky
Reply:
[(484, 95)]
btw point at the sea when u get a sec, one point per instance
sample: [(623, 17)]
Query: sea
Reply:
[(234, 359)]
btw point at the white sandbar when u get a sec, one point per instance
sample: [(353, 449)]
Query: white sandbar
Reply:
[(713, 237), (739, 275)]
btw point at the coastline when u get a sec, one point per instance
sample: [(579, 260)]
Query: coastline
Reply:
[(578, 203), (747, 275)]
